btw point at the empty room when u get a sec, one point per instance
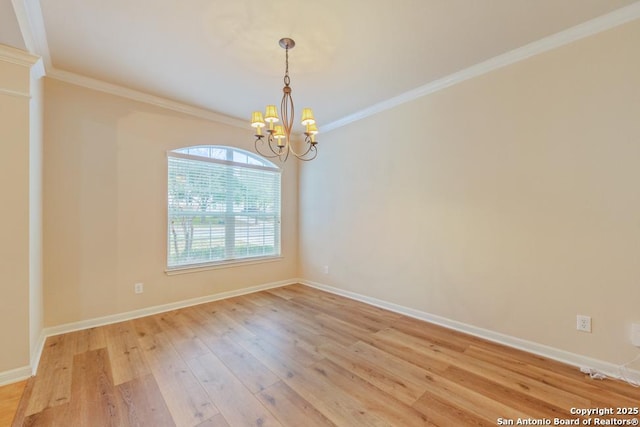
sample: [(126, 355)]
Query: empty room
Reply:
[(338, 213)]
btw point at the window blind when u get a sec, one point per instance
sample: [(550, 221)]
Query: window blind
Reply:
[(220, 209)]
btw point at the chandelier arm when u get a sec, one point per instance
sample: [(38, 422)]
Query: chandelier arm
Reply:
[(315, 153), (282, 153), (310, 147), (297, 154), (269, 156), (277, 150), (304, 157)]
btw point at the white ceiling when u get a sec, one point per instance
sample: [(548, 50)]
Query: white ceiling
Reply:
[(223, 56), (9, 30)]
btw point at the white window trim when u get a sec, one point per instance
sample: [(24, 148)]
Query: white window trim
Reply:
[(194, 268), (228, 263)]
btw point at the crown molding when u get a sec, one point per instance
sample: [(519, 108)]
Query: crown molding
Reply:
[(31, 23), (144, 97), (602, 23), (17, 56)]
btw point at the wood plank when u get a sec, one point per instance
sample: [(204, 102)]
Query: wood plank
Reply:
[(573, 381), (235, 402), (442, 412), (216, 421), (215, 329), (310, 328), (354, 332), (398, 365), (335, 404), (212, 319), (145, 326), (167, 320), (396, 347), (404, 389), (21, 409), (188, 344), (9, 400), (187, 401), (290, 408), (127, 361), (516, 399), (492, 372), (54, 416), (337, 308), (236, 305), (249, 370), (433, 334), (284, 292), (261, 299), (467, 400), (279, 335), (142, 403), (89, 339), (383, 405), (303, 323), (93, 398), (54, 374)]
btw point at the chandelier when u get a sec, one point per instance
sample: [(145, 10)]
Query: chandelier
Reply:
[(278, 137)]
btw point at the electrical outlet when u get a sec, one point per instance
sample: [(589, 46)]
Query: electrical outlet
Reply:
[(325, 269), (138, 288), (583, 323)]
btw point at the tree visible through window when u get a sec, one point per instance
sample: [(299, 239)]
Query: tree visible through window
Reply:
[(223, 205)]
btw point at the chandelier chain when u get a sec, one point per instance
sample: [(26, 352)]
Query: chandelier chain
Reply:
[(287, 80)]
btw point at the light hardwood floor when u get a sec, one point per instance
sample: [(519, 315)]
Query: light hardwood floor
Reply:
[(9, 399), (296, 356)]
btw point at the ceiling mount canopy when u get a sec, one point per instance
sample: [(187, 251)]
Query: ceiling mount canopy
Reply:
[(278, 137), (287, 43)]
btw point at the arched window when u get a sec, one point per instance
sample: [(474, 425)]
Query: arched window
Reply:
[(223, 206)]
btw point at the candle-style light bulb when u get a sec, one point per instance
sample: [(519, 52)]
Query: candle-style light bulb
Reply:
[(279, 135), (257, 122)]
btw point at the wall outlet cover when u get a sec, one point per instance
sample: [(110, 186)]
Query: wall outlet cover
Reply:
[(138, 288), (583, 323)]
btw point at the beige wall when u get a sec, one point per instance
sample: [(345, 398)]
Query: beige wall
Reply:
[(15, 209), (509, 202), (105, 172)]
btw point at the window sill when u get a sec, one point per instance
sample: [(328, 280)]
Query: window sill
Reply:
[(219, 265)]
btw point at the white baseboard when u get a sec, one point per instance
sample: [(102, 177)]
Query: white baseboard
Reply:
[(573, 359), (19, 374), (15, 375), (148, 311)]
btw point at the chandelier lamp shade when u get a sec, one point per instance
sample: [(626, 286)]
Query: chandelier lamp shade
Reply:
[(277, 137)]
